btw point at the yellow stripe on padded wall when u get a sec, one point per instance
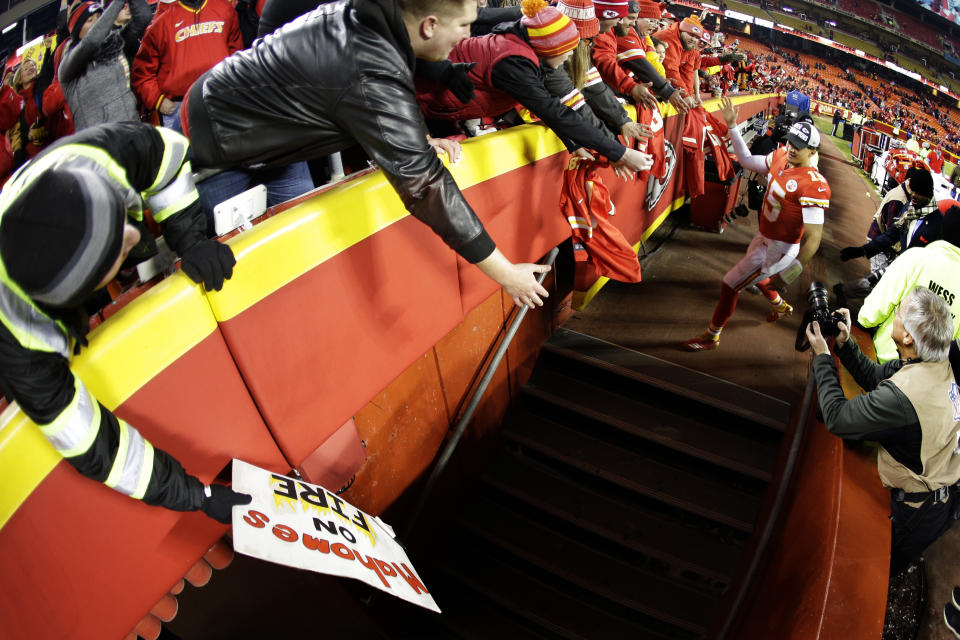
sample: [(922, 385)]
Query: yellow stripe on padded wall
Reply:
[(143, 339), (26, 458), (282, 248)]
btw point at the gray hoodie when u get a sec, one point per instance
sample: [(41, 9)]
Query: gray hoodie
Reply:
[(95, 81)]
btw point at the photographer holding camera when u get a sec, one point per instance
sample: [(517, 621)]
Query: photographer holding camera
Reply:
[(911, 408)]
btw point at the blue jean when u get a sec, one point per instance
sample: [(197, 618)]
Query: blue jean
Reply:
[(282, 183)]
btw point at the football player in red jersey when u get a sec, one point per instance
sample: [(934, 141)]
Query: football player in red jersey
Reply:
[(791, 223)]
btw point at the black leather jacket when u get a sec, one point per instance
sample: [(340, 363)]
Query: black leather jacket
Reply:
[(338, 76)]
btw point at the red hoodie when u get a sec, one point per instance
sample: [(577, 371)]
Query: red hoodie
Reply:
[(605, 58), (180, 45)]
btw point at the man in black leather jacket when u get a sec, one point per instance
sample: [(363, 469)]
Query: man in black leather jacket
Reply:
[(342, 75)]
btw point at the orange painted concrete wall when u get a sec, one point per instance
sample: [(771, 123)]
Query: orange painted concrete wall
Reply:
[(827, 567)]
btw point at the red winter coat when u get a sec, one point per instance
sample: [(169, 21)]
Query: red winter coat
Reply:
[(11, 104), (55, 105), (179, 46)]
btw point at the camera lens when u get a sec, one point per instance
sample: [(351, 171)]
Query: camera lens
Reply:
[(817, 297)]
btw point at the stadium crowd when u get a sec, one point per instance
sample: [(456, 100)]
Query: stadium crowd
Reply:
[(403, 80)]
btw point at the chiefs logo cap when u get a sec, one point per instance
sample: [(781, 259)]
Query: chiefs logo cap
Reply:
[(803, 135)]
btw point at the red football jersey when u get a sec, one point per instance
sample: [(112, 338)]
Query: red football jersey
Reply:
[(794, 196)]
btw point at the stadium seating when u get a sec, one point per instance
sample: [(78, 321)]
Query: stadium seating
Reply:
[(915, 29), (866, 9)]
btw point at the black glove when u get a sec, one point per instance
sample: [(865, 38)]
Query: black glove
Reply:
[(456, 79), (849, 253), (209, 262), (219, 501)]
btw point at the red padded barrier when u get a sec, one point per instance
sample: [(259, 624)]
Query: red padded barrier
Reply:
[(315, 351), (335, 462), (200, 411), (80, 560), (520, 210)]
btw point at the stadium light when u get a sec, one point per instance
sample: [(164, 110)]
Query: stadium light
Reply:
[(788, 9), (9, 28), (736, 15), (831, 23)]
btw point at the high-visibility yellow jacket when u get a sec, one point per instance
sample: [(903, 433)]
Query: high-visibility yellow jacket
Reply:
[(145, 165), (936, 266)]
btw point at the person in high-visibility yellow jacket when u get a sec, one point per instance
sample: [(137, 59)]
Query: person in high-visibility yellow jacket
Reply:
[(67, 223), (936, 267)]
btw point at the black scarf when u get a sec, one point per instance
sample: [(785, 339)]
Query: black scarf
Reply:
[(111, 49)]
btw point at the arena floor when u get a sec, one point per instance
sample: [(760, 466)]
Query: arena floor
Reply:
[(683, 281)]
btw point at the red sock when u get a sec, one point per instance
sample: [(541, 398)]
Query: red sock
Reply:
[(725, 306), (770, 294)]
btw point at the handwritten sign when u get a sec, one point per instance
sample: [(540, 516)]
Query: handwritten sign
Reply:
[(297, 524)]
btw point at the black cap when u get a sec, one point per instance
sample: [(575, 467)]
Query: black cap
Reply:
[(921, 182), (803, 135), (950, 226), (61, 235)]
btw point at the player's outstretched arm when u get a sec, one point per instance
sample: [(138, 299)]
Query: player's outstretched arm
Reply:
[(748, 161)]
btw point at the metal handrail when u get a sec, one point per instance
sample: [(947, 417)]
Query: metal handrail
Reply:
[(461, 426), (773, 517)]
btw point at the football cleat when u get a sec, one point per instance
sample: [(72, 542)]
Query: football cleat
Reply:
[(703, 342), (783, 311)]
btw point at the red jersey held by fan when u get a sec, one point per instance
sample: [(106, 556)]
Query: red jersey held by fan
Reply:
[(794, 196)]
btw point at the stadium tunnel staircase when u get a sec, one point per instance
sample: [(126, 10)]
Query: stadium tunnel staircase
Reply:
[(619, 505)]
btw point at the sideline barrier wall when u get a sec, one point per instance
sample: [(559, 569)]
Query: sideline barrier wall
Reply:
[(334, 298), (331, 300), (80, 560), (828, 565)]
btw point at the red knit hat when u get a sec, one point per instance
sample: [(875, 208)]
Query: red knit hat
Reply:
[(649, 9), (583, 16), (666, 15), (80, 14), (692, 25), (550, 32), (610, 9)]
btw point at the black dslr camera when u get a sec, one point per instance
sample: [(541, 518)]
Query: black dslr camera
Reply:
[(819, 311)]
